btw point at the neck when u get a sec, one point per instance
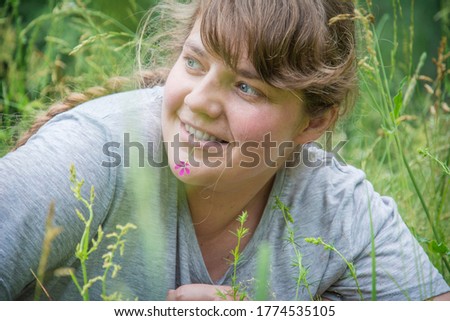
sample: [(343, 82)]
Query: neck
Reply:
[(214, 213)]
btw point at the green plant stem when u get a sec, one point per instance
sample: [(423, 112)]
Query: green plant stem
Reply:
[(85, 248), (302, 272), (443, 189), (421, 199), (234, 277), (351, 267), (75, 281), (262, 272), (411, 37), (240, 234), (389, 120), (395, 40), (103, 278)]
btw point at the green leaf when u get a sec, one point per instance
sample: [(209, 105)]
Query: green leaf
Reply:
[(438, 248), (398, 104)]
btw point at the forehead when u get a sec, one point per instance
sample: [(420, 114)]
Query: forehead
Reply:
[(241, 64)]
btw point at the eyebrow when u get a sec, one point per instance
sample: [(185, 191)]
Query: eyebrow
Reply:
[(249, 74), (195, 48), (243, 72)]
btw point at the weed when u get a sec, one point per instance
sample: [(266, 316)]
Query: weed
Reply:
[(351, 267), (262, 273), (301, 279), (426, 153), (408, 116), (51, 232), (84, 249), (108, 264), (241, 232), (238, 292)]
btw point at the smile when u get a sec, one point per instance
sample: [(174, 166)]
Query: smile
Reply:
[(202, 136)]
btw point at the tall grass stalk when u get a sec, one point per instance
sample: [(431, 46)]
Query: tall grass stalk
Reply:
[(83, 249), (351, 267), (86, 246), (238, 293), (70, 46), (302, 272), (108, 263), (51, 232), (263, 273), (380, 88)]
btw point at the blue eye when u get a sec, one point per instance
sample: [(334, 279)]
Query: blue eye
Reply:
[(248, 90), (192, 63)]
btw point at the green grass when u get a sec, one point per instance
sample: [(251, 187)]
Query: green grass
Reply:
[(69, 46), (397, 133), (405, 112), (84, 248)]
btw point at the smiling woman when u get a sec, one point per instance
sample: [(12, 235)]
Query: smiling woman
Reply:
[(253, 80), (205, 95)]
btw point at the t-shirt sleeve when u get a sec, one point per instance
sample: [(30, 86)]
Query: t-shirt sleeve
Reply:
[(33, 177), (403, 269)]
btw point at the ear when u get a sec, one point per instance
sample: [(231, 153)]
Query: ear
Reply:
[(316, 126)]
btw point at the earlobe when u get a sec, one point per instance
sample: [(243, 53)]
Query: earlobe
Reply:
[(317, 126)]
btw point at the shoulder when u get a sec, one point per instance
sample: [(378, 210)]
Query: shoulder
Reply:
[(316, 179), (107, 119), (333, 200), (124, 102), (79, 136), (321, 186), (124, 109)]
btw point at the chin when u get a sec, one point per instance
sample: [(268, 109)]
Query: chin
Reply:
[(198, 176)]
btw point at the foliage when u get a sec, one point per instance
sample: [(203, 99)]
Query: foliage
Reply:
[(87, 246), (301, 278), (238, 292), (66, 46), (402, 114), (329, 247)]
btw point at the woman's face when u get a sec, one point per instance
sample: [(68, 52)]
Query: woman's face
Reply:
[(229, 126)]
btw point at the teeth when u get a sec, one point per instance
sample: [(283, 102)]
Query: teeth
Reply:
[(199, 134)]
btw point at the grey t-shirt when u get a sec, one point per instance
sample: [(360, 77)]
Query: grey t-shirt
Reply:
[(116, 146)]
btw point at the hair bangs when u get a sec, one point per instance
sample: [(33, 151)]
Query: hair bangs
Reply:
[(280, 51), (224, 32)]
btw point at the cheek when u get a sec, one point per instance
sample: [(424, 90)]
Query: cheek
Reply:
[(173, 92), (169, 101), (260, 128)]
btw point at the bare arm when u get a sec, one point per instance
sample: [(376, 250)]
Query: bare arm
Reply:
[(442, 297), (200, 292)]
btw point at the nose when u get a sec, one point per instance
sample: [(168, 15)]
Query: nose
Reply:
[(206, 96)]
